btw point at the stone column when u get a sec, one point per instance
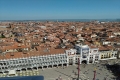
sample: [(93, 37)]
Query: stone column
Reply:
[(74, 60), (52, 66), (80, 60), (67, 64), (87, 60), (93, 59)]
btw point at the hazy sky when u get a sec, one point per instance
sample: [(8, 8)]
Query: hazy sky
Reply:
[(59, 9)]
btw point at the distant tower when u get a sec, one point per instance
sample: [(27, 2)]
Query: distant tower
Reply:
[(11, 26), (76, 30)]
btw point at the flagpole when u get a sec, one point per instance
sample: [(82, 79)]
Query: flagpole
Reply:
[(78, 68), (94, 78)]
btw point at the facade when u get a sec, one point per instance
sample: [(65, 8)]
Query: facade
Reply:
[(105, 55), (34, 62), (71, 56), (94, 55), (85, 54)]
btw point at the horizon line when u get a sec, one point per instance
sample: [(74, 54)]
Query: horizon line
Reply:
[(58, 19)]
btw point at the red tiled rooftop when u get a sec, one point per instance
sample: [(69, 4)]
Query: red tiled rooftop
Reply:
[(42, 51)]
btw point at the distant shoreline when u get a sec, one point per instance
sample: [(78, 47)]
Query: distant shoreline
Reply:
[(65, 20)]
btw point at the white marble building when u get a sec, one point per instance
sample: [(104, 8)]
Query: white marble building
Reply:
[(34, 62), (67, 57), (86, 54)]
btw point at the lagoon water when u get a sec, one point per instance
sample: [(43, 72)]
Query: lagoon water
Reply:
[(65, 20)]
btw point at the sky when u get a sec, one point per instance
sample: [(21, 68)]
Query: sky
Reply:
[(59, 9)]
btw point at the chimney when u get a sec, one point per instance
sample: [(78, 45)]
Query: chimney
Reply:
[(48, 49), (12, 54), (19, 45)]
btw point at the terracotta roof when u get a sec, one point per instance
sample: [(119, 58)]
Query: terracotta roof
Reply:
[(42, 51), (106, 48)]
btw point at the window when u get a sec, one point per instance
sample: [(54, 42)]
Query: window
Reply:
[(112, 55), (104, 56), (115, 55), (101, 56), (19, 61), (96, 59), (22, 61), (4, 63), (96, 56), (13, 62)]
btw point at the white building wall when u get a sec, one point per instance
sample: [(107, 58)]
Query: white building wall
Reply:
[(71, 56), (105, 54), (55, 59), (31, 62), (94, 55)]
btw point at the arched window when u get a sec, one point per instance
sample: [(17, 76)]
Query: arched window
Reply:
[(101, 56), (112, 55), (115, 55), (109, 55), (104, 55)]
